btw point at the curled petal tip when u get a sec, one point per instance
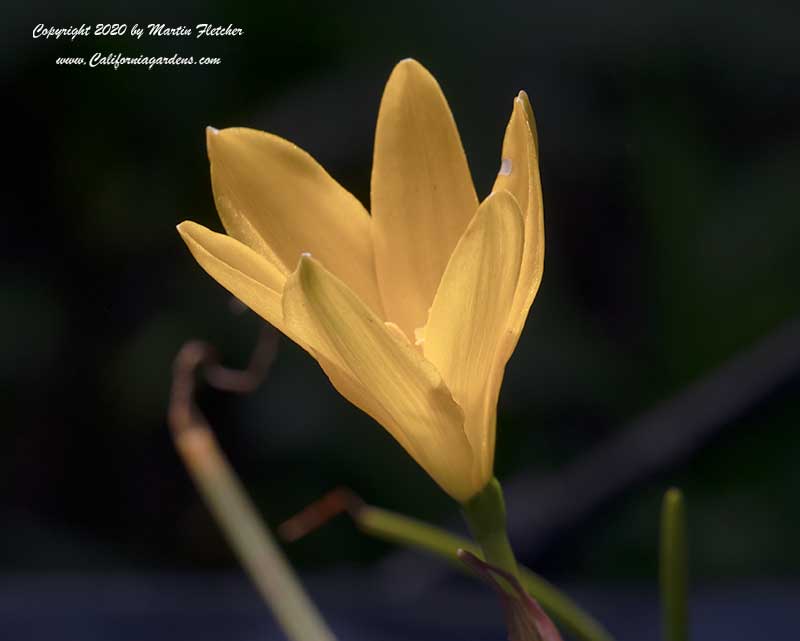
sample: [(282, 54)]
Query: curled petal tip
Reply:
[(410, 65), (523, 97), (304, 263), (212, 137), (407, 61), (185, 227)]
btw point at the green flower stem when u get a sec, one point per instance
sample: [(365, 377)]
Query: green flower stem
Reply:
[(252, 542), (485, 514), (396, 528), (674, 567)]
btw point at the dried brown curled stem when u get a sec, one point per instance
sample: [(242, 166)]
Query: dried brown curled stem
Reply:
[(197, 356), (222, 490), (338, 501)]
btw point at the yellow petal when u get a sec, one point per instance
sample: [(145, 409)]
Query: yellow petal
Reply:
[(526, 102), (382, 373), (519, 174), (469, 319), (360, 396), (243, 272), (276, 198), (422, 193)]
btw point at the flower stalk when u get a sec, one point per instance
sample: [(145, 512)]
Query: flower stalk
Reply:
[(412, 533), (397, 528), (485, 514)]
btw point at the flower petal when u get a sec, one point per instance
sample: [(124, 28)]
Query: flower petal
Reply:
[(276, 198), (520, 175), (243, 272), (469, 319), (422, 193), (360, 396), (526, 102), (385, 375)]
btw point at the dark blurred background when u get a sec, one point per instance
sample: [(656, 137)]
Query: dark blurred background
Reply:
[(669, 143)]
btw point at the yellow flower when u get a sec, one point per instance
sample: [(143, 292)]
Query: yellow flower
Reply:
[(412, 311)]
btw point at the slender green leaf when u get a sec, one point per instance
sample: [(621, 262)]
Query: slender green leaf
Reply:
[(674, 567)]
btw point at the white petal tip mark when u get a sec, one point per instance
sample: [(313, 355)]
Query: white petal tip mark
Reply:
[(505, 167), (212, 130), (419, 336), (306, 254)]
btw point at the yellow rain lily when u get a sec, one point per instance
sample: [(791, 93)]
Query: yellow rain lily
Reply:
[(412, 311)]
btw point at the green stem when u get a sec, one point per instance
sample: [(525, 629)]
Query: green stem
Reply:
[(674, 567), (250, 540), (390, 526), (485, 514)]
